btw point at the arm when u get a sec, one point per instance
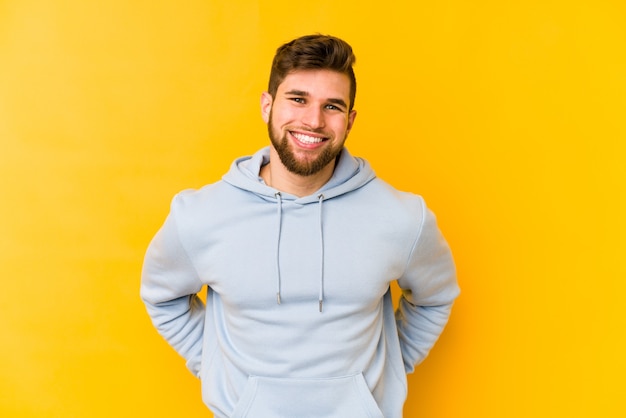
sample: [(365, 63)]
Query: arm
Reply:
[(429, 288), (169, 287)]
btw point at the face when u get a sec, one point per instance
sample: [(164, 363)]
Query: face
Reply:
[(308, 120)]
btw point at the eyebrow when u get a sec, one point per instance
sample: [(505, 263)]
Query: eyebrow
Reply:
[(301, 93)]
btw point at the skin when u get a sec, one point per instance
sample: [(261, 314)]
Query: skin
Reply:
[(308, 123)]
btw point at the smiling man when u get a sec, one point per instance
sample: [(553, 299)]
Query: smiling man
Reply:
[(297, 246)]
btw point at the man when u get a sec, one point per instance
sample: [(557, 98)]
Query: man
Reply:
[(297, 246)]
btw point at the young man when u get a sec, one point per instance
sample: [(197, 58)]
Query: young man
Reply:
[(297, 246)]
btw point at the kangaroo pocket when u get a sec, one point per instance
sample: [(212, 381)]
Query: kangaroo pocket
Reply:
[(341, 397)]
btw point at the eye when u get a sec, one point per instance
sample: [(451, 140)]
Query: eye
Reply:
[(335, 108), (297, 99)]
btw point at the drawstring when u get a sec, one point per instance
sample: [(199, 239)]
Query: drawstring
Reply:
[(280, 216), (279, 205), (321, 296)]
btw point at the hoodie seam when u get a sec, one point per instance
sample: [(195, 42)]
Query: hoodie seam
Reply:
[(183, 246), (417, 242)]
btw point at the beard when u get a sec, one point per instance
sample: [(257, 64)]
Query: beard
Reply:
[(301, 167)]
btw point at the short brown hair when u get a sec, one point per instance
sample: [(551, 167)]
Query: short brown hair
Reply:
[(310, 52)]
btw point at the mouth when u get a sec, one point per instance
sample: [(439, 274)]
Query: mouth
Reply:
[(308, 139)]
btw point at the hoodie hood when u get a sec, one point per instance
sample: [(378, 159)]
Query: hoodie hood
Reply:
[(350, 174)]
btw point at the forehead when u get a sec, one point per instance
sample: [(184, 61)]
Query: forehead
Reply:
[(320, 83)]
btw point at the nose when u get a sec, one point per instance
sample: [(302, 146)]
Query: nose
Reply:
[(313, 117)]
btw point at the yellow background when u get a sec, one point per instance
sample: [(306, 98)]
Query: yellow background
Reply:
[(509, 117)]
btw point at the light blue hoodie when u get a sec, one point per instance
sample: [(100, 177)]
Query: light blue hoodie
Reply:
[(299, 320)]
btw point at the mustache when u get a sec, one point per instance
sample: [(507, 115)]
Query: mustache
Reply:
[(303, 129)]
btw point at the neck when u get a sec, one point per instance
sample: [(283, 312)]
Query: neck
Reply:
[(276, 175)]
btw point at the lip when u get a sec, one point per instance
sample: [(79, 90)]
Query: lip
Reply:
[(308, 140)]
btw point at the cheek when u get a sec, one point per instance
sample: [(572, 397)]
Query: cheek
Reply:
[(291, 118), (280, 115), (341, 127)]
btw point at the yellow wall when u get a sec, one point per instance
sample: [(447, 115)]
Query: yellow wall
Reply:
[(509, 117)]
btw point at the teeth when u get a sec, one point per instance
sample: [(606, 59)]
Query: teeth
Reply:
[(307, 139)]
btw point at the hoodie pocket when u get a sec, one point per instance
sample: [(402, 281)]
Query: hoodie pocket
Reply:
[(340, 397)]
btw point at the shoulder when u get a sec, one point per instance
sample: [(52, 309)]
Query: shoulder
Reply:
[(393, 199), (199, 199), (381, 204), (191, 205)]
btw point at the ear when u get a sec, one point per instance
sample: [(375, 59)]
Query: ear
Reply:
[(351, 118), (266, 106)]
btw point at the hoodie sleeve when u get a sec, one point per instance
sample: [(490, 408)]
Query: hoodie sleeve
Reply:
[(169, 287), (429, 288)]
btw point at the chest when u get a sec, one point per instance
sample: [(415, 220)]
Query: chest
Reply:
[(351, 255)]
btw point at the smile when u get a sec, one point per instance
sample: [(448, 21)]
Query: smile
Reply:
[(307, 139)]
